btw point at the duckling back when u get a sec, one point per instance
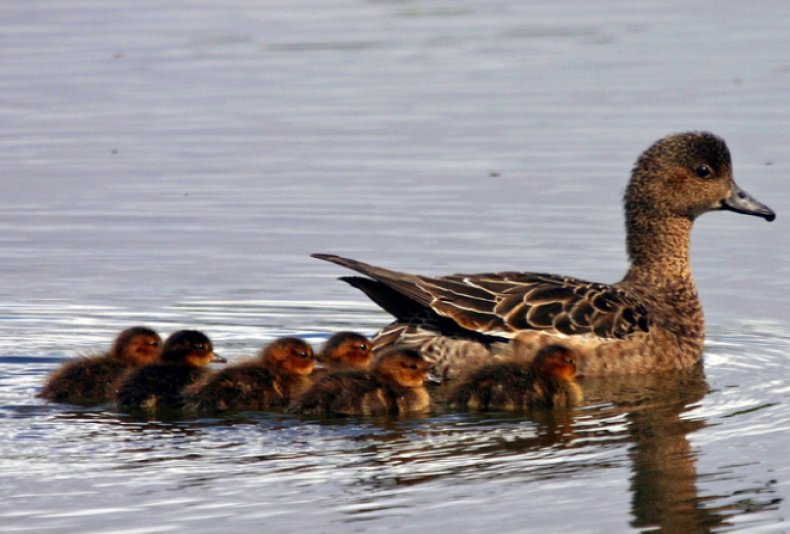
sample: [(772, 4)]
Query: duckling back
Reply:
[(157, 387), (273, 380), (548, 381), (351, 392), (495, 386), (160, 386), (86, 380), (394, 386), (93, 379)]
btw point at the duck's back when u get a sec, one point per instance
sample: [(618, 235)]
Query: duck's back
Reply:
[(85, 380)]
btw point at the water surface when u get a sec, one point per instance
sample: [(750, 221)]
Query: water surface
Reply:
[(175, 166)]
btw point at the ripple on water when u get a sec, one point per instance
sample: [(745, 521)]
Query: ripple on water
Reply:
[(659, 442)]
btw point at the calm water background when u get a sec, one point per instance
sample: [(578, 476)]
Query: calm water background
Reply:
[(174, 166)]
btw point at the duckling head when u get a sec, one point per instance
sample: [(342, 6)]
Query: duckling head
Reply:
[(405, 367), (555, 361), (138, 346), (289, 355), (189, 347), (347, 349), (685, 175)]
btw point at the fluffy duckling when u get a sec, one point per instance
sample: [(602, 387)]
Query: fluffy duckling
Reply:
[(549, 381), (185, 355), (92, 379), (281, 373), (344, 351), (395, 385)]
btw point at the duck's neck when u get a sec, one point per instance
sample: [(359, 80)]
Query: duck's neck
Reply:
[(659, 252), (661, 275)]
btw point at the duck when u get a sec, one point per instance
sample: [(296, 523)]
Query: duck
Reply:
[(159, 386), (344, 350), (549, 380), (395, 385), (280, 373), (91, 379), (649, 321)]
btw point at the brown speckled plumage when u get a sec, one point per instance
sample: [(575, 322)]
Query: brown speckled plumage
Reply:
[(650, 321)]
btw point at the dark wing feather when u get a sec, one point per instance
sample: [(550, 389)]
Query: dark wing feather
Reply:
[(502, 304)]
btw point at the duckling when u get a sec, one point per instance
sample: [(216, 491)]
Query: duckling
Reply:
[(344, 350), (549, 381), (91, 379), (281, 373), (185, 355), (395, 385)]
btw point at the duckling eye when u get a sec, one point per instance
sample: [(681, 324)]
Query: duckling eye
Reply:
[(363, 347), (303, 354), (200, 346), (703, 171)]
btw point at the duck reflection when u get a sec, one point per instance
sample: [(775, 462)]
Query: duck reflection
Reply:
[(663, 463), (650, 414)]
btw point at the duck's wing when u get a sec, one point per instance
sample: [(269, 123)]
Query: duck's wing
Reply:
[(503, 304)]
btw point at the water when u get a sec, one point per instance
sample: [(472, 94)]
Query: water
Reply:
[(174, 166)]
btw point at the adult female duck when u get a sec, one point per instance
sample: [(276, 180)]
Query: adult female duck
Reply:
[(649, 321)]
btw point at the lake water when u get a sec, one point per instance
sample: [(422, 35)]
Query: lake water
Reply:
[(175, 166)]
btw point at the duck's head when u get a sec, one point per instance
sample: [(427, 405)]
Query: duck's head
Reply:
[(347, 349), (289, 355), (189, 347), (685, 175), (405, 367), (137, 346), (555, 361)]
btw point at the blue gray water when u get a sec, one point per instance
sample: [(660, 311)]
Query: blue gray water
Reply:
[(175, 166)]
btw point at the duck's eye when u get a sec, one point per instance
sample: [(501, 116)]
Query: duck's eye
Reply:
[(303, 354), (363, 347), (703, 171), (200, 346)]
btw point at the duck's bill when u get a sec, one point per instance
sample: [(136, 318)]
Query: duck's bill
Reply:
[(218, 359), (742, 202), (432, 378)]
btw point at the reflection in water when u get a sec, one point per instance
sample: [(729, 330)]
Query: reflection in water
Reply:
[(365, 469), (650, 413), (663, 463)]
